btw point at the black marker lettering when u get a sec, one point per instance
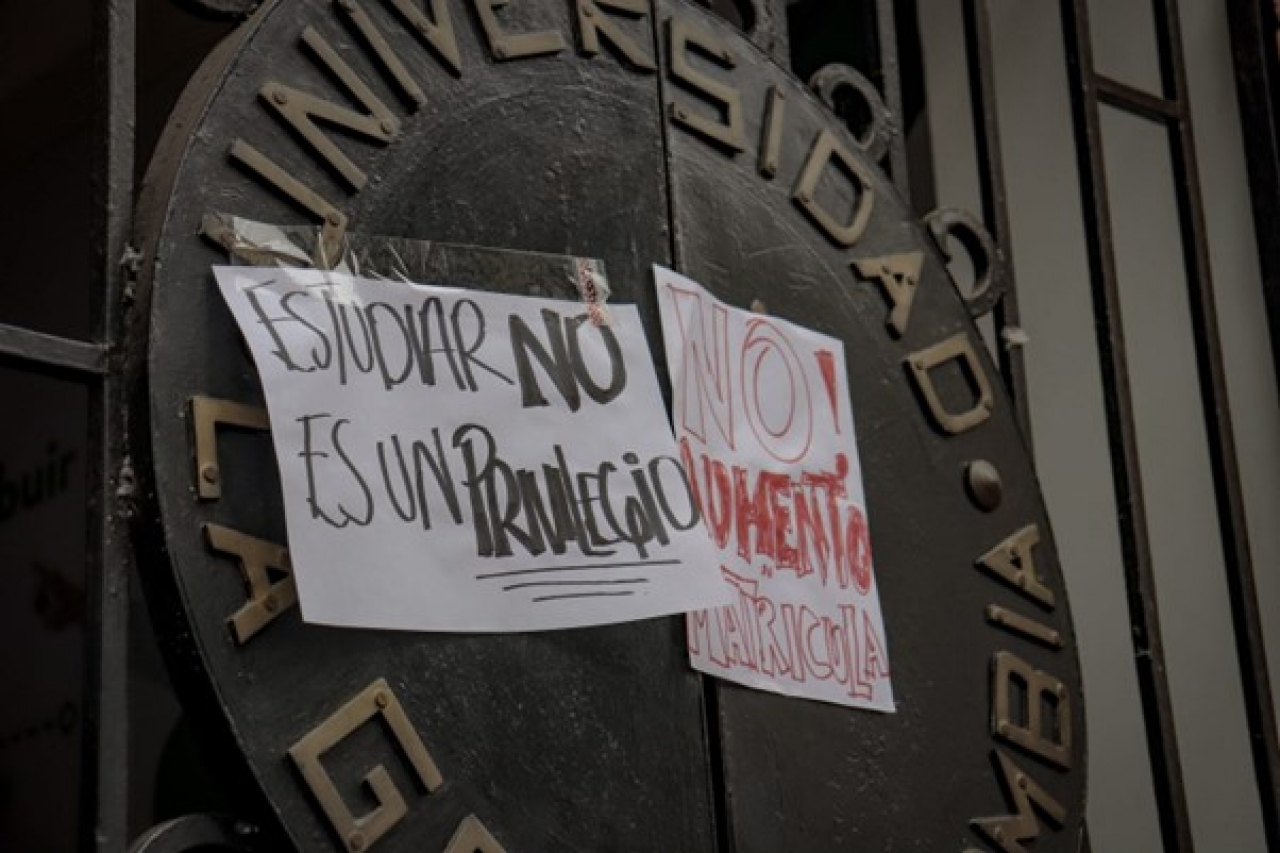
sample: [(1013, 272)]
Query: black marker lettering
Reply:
[(468, 349), (439, 465), (355, 475), (555, 363), (405, 514), (390, 380), (474, 483), (269, 323), (617, 366)]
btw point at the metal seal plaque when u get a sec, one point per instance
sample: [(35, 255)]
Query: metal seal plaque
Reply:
[(637, 133)]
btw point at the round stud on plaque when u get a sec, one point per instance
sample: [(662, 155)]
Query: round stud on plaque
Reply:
[(986, 488)]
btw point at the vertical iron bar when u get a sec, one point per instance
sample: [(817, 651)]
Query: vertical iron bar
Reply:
[(995, 199), (917, 138), (1153, 683), (1254, 47), (104, 800), (1084, 845), (1233, 525), (887, 38)]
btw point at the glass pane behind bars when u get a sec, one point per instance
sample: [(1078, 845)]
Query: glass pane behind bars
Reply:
[(46, 161), (1124, 41), (1195, 616), (42, 610), (1246, 341), (1068, 421)]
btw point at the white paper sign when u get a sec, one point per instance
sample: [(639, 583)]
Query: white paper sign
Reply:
[(454, 460), (762, 413)]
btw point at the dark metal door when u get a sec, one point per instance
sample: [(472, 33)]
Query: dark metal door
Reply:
[(636, 135)]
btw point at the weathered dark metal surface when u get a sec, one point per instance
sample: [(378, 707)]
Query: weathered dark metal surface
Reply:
[(598, 739), (587, 740)]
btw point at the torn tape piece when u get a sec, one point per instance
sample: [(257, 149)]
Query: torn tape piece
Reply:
[(254, 243), (593, 286), (1015, 336)]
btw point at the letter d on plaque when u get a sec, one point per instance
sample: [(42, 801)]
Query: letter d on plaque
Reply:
[(959, 350)]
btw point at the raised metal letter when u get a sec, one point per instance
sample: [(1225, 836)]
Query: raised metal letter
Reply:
[(775, 119), (954, 348), (504, 46), (899, 277), (1024, 626), (359, 834), (382, 49), (1010, 831), (301, 110), (207, 414), (827, 149), (472, 837), (1016, 681), (257, 557), (1014, 562), (593, 24), (286, 184), (681, 36), (436, 31)]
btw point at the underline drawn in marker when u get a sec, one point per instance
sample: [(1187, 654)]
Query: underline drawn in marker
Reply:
[(593, 566), (531, 584), (583, 595)]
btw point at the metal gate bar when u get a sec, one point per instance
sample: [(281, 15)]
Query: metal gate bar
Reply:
[(995, 200), (105, 774), (1153, 684), (891, 83), (103, 796), (43, 353), (1233, 525), (1172, 110), (1255, 38)]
